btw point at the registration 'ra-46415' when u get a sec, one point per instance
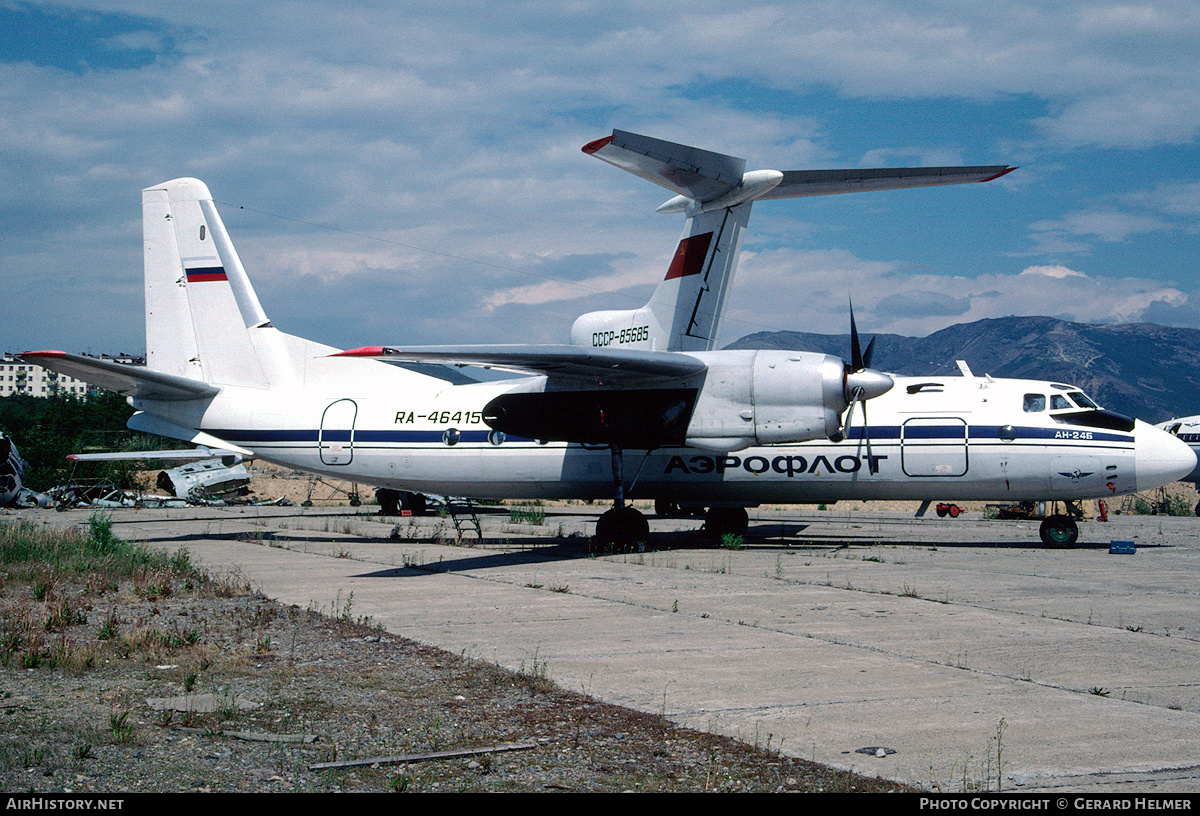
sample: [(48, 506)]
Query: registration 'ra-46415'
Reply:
[(440, 417)]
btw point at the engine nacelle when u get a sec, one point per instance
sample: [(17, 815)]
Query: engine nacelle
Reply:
[(767, 398)]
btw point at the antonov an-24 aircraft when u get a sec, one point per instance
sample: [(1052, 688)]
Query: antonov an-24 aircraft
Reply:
[(722, 429)]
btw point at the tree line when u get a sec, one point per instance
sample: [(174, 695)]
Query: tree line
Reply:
[(46, 429)]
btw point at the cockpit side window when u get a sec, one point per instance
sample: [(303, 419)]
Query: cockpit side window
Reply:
[(1059, 403), (1081, 399), (1035, 403)]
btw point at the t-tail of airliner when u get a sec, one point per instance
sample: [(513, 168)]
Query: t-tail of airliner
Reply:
[(716, 192)]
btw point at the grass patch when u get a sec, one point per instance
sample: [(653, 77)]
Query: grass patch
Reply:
[(527, 514), (37, 554), (67, 571)]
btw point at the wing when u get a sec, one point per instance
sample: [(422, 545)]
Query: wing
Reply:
[(637, 398), (127, 380), (575, 363)]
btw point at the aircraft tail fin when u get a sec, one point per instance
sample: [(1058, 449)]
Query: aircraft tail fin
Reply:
[(716, 192), (684, 313), (203, 320)]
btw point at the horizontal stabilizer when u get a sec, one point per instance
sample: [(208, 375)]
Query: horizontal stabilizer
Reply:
[(127, 380), (184, 455), (565, 362), (799, 183), (716, 180), (149, 423), (698, 174)]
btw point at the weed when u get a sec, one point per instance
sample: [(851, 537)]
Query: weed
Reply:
[(110, 628), (999, 755), (527, 514), (118, 721), (732, 541)]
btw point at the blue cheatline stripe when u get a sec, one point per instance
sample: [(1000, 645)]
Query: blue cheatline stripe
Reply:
[(342, 435), (978, 434), (986, 433)]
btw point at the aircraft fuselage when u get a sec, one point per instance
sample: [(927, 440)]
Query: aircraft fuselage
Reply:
[(964, 438)]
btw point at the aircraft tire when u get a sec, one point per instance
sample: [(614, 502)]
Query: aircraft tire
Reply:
[(722, 521), (666, 509), (389, 501), (415, 503), (620, 529), (1059, 531)]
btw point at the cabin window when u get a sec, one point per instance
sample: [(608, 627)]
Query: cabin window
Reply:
[(1035, 403), (1059, 403)]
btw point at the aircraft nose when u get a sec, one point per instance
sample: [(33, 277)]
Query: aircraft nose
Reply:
[(1160, 457)]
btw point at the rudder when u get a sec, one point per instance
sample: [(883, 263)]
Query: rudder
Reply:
[(203, 319)]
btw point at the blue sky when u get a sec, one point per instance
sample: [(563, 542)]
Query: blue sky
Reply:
[(409, 173)]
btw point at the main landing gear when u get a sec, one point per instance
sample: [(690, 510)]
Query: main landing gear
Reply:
[(722, 521), (395, 502), (623, 528), (718, 521)]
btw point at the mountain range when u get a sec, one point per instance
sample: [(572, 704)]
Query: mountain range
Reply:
[(1141, 369)]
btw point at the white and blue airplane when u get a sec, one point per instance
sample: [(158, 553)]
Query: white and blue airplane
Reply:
[(1188, 430), (724, 429)]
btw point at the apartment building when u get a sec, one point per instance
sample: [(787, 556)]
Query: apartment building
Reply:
[(17, 377)]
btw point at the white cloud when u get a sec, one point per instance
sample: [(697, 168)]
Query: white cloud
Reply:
[(1052, 272)]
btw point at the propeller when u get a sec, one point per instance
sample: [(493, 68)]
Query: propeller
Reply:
[(860, 382)]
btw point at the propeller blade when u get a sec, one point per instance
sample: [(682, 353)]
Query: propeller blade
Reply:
[(856, 357), (860, 383), (867, 436), (849, 421)]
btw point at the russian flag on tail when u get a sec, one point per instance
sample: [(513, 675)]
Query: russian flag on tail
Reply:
[(206, 273)]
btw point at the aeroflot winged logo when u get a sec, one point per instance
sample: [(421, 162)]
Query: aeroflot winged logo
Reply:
[(1077, 474)]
